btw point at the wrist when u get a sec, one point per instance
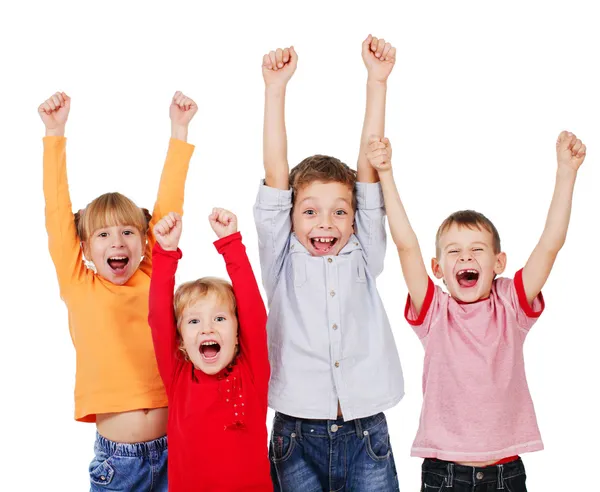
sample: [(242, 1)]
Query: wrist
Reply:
[(373, 82), (179, 132), (56, 132), (566, 173), (277, 88)]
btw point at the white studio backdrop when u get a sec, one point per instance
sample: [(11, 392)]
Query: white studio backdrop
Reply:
[(478, 96)]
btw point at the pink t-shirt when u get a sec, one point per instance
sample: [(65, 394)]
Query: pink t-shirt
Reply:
[(476, 402)]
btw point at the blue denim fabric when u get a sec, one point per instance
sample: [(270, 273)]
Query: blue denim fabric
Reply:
[(332, 455), (444, 476), (139, 467)]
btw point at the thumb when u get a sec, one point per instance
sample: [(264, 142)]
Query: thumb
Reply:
[(366, 43)]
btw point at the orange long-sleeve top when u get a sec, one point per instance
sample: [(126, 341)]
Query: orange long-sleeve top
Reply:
[(116, 368)]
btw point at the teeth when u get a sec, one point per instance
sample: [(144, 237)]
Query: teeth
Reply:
[(118, 257), (324, 239), (209, 343), (468, 271)]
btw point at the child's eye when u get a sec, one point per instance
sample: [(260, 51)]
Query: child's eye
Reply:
[(477, 249), (341, 212), (453, 251), (309, 212), (103, 234), (128, 233), (220, 318), (193, 321)]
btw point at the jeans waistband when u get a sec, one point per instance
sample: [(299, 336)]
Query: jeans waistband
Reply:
[(474, 475), (327, 428), (138, 449)]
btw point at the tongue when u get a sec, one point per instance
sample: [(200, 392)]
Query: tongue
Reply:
[(210, 351), (322, 247), (117, 264), (467, 282)]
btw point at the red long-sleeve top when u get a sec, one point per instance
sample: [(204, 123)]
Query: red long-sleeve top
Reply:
[(217, 424)]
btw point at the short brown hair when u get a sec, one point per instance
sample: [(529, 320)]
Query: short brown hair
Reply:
[(325, 169), (472, 220), (189, 292), (108, 210)]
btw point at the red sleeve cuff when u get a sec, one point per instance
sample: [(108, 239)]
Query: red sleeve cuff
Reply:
[(157, 250), (424, 308), (222, 243), (522, 296)]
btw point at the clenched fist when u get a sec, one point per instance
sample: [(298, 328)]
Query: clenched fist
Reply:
[(223, 222), (167, 231), (379, 154)]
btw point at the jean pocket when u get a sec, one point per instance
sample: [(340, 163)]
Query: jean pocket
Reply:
[(101, 473), (282, 446), (378, 442), (432, 482)]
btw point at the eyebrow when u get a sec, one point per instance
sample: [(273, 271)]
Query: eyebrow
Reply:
[(314, 198), (456, 244)]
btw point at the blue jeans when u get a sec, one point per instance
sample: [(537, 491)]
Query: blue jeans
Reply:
[(445, 476), (332, 455), (139, 467)]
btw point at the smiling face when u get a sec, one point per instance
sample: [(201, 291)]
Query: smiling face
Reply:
[(323, 217), (467, 261), (208, 329), (116, 252), (113, 230)]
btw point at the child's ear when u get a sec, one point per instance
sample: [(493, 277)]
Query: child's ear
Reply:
[(500, 264), (436, 268), (85, 247)]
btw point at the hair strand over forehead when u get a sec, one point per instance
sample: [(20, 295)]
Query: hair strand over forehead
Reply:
[(471, 220)]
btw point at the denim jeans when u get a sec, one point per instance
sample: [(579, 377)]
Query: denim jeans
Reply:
[(129, 467), (332, 455), (445, 476)]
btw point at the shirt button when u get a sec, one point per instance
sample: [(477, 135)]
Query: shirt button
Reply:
[(334, 326), (334, 428), (479, 475), (337, 364), (329, 260), (332, 293)]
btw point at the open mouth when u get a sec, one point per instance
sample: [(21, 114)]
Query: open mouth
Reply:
[(209, 350), (467, 278), (118, 263), (323, 244)]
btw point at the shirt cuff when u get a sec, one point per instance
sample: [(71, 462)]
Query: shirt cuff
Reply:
[(221, 243), (538, 303), (409, 310), (369, 196), (157, 250), (273, 197)]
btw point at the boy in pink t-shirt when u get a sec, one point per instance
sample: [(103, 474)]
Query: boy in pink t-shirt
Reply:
[(477, 414)]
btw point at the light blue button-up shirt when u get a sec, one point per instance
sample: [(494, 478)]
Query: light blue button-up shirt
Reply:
[(329, 335)]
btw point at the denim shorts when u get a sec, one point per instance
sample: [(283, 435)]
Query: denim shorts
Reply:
[(332, 455), (129, 467)]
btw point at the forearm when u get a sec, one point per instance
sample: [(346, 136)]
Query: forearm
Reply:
[(402, 232), (374, 124), (559, 214), (179, 132), (275, 138)]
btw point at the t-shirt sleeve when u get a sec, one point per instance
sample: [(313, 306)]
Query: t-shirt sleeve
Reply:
[(421, 322), (514, 291)]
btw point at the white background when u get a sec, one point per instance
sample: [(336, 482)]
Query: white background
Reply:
[(478, 96)]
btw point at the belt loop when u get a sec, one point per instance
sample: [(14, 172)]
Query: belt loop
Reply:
[(359, 429), (299, 428), (500, 477), (450, 479)]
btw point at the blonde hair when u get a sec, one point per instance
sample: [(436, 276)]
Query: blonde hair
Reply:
[(190, 292), (108, 210)]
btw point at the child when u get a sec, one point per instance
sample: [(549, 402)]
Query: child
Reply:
[(211, 346), (117, 384), (477, 412), (335, 367)]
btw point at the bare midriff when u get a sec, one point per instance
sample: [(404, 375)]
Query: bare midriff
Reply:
[(134, 426)]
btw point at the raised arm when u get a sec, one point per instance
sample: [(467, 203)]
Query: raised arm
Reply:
[(570, 155), (172, 181), (161, 316), (379, 156), (252, 316), (63, 241), (379, 57), (277, 68)]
